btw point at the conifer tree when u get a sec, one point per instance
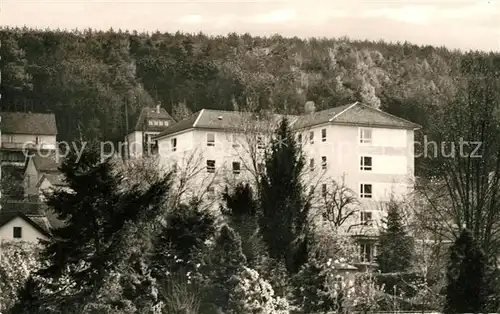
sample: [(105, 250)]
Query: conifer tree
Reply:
[(99, 210), (466, 289), (396, 247), (226, 261), (241, 211), (284, 206)]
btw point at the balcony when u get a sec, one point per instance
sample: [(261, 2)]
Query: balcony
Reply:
[(27, 146)]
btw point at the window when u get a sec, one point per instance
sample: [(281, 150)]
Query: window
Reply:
[(366, 252), (311, 190), (210, 139), (235, 141), (323, 162), (37, 140), (323, 135), (17, 232), (311, 137), (150, 122), (236, 167), (260, 142), (211, 193), (323, 190), (211, 166), (366, 163), (299, 138), (365, 136), (311, 164), (173, 144), (366, 218), (365, 191), (11, 139)]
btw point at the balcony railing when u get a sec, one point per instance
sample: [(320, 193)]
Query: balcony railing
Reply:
[(27, 146)]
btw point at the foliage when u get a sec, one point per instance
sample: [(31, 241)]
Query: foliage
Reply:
[(225, 260), (253, 294), (104, 232), (318, 286), (467, 285), (284, 220), (241, 209), (396, 248), (17, 261)]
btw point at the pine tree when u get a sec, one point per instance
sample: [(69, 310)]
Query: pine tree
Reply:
[(284, 206), (241, 211), (396, 247), (466, 289), (226, 261), (99, 210)]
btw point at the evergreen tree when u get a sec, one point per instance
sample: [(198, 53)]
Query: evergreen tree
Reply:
[(466, 289), (226, 261), (182, 239), (99, 211), (241, 210), (284, 206), (396, 247)]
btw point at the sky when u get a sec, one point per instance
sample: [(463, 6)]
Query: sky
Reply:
[(456, 24)]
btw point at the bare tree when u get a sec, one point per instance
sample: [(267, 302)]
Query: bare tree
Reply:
[(338, 202), (462, 184)]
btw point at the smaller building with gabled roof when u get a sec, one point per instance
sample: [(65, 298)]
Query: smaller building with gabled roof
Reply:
[(24, 221), (41, 173), (151, 122)]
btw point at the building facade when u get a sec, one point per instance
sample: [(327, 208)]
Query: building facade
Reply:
[(354, 148), (151, 122)]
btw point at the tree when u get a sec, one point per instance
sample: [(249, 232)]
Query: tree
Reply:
[(396, 248), (338, 203), (284, 219), (225, 261), (241, 210), (466, 290), (100, 214), (462, 162)]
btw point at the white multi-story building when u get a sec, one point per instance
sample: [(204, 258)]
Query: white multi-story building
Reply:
[(359, 148)]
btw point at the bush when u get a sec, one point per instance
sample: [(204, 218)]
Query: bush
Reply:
[(253, 294)]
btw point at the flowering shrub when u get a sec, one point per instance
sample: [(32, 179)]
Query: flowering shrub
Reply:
[(319, 287), (17, 261), (253, 294), (365, 295)]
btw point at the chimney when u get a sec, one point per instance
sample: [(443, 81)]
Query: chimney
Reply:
[(309, 107), (158, 108)]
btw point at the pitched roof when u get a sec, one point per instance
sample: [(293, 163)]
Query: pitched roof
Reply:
[(45, 163), (352, 114), (224, 120), (30, 212), (28, 123), (154, 113), (55, 179)]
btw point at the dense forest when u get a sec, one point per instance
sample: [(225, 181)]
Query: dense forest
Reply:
[(96, 82)]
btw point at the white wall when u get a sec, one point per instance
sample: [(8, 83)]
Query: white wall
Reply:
[(134, 142), (29, 233), (18, 140), (391, 152)]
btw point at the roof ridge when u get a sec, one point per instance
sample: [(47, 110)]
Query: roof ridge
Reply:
[(198, 117), (343, 111), (418, 126)]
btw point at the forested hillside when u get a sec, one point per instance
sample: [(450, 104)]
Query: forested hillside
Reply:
[(91, 80)]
